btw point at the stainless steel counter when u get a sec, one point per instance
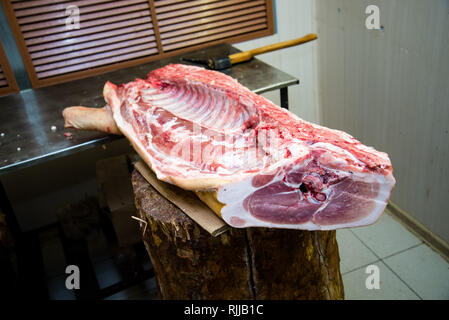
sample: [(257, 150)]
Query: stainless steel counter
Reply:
[(26, 119)]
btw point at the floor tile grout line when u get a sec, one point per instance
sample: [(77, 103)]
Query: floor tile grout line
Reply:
[(390, 255), (408, 286), (402, 251), (388, 267), (378, 258), (402, 280), (361, 267), (367, 246)]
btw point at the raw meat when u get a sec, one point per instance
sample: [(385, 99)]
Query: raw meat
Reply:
[(260, 164)]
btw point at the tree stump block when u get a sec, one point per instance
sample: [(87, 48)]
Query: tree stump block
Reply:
[(252, 263)]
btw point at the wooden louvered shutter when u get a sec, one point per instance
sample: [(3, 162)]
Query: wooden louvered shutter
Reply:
[(8, 82), (183, 24), (111, 33), (116, 34)]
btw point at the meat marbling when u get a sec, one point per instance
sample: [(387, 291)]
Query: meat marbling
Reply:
[(261, 164)]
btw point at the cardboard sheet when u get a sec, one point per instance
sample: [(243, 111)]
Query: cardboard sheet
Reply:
[(185, 200)]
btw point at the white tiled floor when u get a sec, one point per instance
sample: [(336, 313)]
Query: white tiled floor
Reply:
[(408, 268)]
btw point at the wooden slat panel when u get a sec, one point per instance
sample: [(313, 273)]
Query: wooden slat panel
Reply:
[(91, 37), (111, 32), (50, 7), (120, 33), (160, 3), (234, 8), (209, 20), (3, 83), (148, 34), (89, 20), (182, 5), (97, 63), (173, 12), (98, 56), (96, 49), (32, 3), (213, 37), (85, 31), (35, 3), (185, 24), (62, 13), (203, 33), (221, 22)]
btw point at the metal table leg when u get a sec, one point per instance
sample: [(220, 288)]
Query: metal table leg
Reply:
[(284, 97)]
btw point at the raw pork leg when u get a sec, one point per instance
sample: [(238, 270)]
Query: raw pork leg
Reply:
[(252, 162)]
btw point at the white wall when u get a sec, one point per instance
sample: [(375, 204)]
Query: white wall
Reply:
[(294, 19), (390, 89)]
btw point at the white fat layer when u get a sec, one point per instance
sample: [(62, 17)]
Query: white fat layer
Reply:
[(371, 150)]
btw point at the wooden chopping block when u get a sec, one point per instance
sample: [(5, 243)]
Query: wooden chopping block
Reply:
[(252, 263)]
